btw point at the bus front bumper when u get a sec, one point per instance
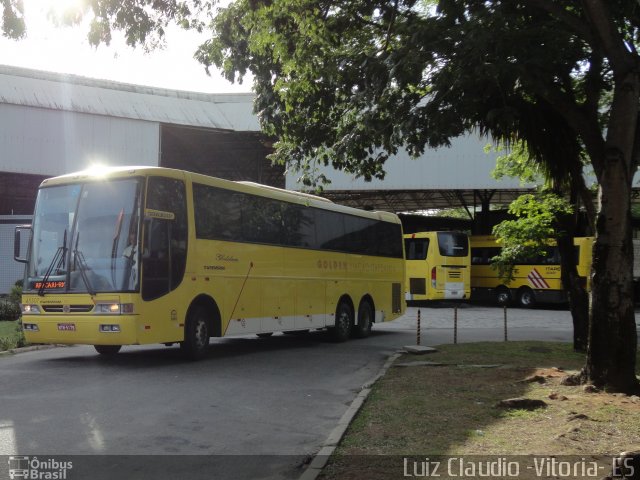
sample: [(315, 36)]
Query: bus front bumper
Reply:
[(90, 330)]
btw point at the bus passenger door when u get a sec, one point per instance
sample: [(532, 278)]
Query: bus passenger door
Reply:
[(164, 257), (156, 271)]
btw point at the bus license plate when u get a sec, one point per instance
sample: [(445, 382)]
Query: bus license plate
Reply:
[(67, 327)]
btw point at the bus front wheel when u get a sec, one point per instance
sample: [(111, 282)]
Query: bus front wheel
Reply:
[(365, 321), (344, 320), (107, 349), (503, 296), (196, 334)]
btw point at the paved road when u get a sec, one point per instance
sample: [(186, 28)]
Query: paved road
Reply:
[(254, 408)]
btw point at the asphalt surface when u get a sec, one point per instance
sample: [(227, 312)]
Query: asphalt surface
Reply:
[(253, 408)]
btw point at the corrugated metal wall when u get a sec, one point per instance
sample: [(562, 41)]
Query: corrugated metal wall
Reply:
[(54, 142), (10, 270), (464, 165), (46, 142)]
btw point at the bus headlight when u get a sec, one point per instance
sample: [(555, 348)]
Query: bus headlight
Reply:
[(30, 327), (29, 309), (113, 308)]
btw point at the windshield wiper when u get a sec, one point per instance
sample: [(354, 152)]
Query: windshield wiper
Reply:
[(114, 245), (57, 262), (82, 263)]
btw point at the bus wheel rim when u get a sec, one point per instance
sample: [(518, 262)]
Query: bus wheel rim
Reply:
[(200, 333)]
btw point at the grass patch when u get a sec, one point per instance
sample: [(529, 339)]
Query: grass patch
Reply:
[(11, 335), (426, 411)]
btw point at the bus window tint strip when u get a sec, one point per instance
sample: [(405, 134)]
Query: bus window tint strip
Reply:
[(551, 256), (235, 216)]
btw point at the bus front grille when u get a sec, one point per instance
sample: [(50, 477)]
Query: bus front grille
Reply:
[(67, 308)]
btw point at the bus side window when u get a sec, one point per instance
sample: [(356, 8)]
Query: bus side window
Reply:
[(416, 248)]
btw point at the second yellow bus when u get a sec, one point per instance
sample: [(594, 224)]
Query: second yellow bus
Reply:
[(438, 266)]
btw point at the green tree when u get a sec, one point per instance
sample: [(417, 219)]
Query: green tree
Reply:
[(12, 18), (540, 217), (349, 82)]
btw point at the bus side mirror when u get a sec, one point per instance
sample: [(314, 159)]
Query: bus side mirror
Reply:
[(17, 243)]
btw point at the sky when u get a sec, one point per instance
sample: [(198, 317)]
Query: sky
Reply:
[(66, 50)]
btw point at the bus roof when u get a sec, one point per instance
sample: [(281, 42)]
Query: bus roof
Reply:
[(102, 173)]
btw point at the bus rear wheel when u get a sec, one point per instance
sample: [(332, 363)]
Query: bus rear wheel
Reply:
[(196, 334), (526, 298), (107, 349), (365, 321), (344, 320)]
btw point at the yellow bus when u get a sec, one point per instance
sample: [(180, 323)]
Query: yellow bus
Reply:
[(140, 255), (438, 266), (537, 280)]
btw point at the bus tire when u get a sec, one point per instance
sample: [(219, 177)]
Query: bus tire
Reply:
[(196, 334), (503, 296), (344, 321), (107, 350), (365, 320), (526, 297)]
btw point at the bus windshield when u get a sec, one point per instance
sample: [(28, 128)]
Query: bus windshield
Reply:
[(85, 238)]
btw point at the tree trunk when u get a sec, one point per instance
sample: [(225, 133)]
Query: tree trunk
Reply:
[(576, 289), (573, 284), (612, 346), (611, 354)]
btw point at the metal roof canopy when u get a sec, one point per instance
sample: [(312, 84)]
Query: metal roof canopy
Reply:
[(417, 200)]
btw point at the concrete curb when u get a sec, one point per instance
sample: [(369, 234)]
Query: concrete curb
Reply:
[(31, 348), (322, 457)]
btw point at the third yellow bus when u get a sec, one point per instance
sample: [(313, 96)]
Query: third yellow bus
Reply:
[(537, 280)]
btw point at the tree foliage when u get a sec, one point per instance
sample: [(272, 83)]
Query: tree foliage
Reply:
[(528, 236), (515, 162), (12, 18), (143, 22), (348, 83)]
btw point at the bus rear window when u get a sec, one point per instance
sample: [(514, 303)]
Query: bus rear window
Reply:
[(453, 244)]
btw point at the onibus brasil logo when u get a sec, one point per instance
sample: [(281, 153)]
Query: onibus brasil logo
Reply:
[(24, 467)]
